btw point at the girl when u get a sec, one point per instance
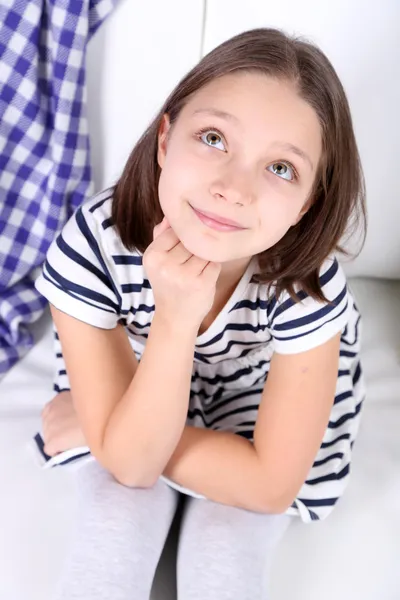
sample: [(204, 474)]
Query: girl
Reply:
[(210, 339)]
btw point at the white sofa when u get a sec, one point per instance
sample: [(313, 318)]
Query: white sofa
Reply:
[(133, 61)]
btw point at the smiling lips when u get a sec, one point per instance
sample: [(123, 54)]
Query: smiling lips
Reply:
[(216, 222)]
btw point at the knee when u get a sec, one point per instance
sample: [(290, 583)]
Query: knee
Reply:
[(219, 524), (100, 492), (221, 541), (93, 480), (223, 527), (107, 499)]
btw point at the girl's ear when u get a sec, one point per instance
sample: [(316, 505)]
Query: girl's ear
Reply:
[(163, 139)]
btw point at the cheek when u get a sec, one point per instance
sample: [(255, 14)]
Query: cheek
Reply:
[(182, 178), (164, 191), (275, 218), (275, 214)]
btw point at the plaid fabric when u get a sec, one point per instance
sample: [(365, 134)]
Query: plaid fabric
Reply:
[(44, 147)]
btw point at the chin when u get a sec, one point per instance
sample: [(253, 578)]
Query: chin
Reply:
[(210, 251), (200, 249)]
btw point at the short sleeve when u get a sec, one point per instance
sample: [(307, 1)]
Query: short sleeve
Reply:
[(76, 276), (300, 326)]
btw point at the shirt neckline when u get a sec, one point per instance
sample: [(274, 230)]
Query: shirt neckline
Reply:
[(233, 299)]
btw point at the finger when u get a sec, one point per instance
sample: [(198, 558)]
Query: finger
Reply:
[(45, 420), (45, 409), (53, 439), (45, 431), (50, 448), (179, 254), (160, 228), (48, 432), (49, 418), (47, 437), (195, 265), (211, 271), (165, 241)]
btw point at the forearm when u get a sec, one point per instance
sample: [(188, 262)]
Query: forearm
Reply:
[(146, 425), (225, 468)]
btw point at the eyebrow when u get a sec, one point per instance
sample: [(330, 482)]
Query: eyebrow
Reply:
[(283, 145), (216, 113), (296, 150)]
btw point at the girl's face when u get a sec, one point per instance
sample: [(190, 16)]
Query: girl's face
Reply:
[(245, 150)]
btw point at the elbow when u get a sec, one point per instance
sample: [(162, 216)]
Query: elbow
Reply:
[(134, 477), (279, 506), (126, 476), (131, 480), (274, 492), (127, 473), (271, 506), (137, 477), (276, 503)]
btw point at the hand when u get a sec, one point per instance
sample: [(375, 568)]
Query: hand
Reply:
[(61, 429), (183, 284)]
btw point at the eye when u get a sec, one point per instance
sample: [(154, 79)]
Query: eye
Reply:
[(287, 171), (212, 138)]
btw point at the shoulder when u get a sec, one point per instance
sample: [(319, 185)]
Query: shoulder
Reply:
[(89, 222), (332, 280), (94, 221), (333, 284), (94, 216), (88, 273), (299, 326)]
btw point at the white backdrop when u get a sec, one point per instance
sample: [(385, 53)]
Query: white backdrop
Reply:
[(133, 62), (146, 47)]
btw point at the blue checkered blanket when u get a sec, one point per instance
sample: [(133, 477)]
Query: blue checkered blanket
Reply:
[(44, 147)]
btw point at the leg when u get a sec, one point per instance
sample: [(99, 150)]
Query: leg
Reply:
[(224, 552), (119, 538)]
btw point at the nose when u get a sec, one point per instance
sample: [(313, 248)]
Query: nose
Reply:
[(234, 186)]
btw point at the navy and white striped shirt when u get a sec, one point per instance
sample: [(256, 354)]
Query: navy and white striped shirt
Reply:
[(91, 276)]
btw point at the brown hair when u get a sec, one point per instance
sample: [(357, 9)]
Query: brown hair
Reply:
[(338, 194)]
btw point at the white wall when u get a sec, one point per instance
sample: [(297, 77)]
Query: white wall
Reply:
[(362, 40), (133, 62), (144, 48)]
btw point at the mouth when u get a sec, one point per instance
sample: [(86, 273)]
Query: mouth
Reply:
[(216, 222)]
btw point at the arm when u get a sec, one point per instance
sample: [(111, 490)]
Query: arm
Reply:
[(293, 415), (146, 425), (132, 416)]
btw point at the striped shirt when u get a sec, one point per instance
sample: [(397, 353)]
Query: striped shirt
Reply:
[(91, 276)]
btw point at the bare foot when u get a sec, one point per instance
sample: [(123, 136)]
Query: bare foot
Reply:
[(61, 429)]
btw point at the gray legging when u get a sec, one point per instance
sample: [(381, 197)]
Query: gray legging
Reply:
[(224, 552)]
